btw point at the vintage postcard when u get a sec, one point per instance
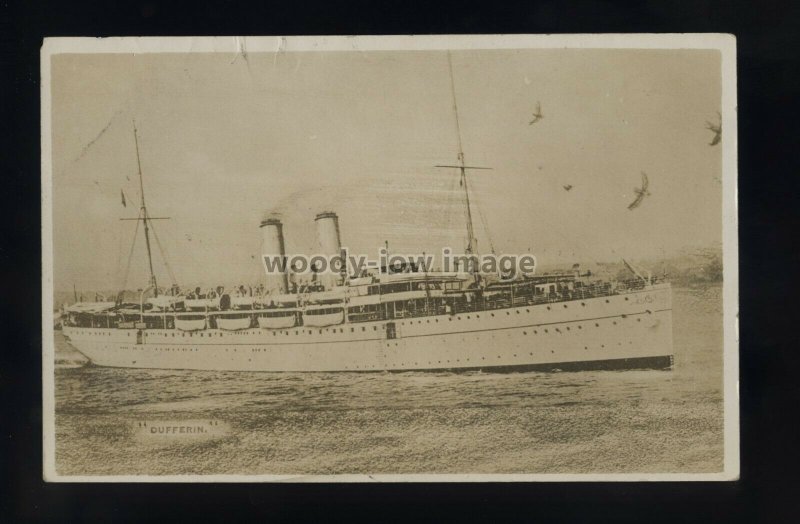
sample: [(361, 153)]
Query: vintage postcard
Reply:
[(412, 258)]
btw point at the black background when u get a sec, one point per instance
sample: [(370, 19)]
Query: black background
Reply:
[(768, 188)]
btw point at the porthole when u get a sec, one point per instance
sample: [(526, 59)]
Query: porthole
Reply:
[(565, 306), (626, 298), (548, 308), (607, 301), (596, 324)]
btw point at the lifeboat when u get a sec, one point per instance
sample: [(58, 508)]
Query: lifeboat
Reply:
[(233, 323), (190, 324), (93, 308), (321, 317), (277, 320)]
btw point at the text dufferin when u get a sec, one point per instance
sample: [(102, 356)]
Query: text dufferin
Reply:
[(174, 430)]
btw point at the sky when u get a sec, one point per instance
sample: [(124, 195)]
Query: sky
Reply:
[(226, 139)]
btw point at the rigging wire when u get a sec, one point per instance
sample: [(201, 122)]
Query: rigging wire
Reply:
[(457, 214), (130, 254), (164, 256), (118, 265), (485, 225)]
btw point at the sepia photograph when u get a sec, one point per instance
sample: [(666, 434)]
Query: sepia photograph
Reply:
[(396, 258)]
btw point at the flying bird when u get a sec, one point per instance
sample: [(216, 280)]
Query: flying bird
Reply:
[(537, 115), (640, 192), (716, 129), (567, 187)]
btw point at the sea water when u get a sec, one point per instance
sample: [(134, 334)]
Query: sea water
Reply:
[(108, 420)]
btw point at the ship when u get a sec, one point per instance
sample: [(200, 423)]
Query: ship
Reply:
[(387, 319)]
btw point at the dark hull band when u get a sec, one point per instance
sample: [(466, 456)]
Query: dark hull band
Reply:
[(655, 363)]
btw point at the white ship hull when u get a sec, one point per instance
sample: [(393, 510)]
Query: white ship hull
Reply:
[(630, 330)]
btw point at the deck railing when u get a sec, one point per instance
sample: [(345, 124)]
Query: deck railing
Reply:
[(514, 295)]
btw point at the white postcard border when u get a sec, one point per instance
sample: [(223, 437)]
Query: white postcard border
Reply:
[(725, 43)]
